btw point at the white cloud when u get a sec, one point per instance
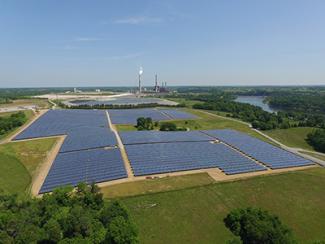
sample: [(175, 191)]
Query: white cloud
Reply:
[(138, 20)]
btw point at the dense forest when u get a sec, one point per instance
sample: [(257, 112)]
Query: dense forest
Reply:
[(66, 216), (11, 122), (305, 103)]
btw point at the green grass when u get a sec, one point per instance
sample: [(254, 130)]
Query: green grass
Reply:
[(195, 215), (156, 185), (19, 162), (292, 137), (125, 127)]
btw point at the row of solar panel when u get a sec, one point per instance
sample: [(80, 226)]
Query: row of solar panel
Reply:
[(139, 137), (82, 130), (270, 155), (170, 157), (130, 116), (96, 165), (59, 122)]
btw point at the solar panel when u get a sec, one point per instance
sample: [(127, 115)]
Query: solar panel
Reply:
[(178, 114), (59, 122), (159, 158), (86, 137), (130, 116), (266, 153), (84, 166), (136, 137)]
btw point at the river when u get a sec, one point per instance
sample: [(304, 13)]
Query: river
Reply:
[(257, 101)]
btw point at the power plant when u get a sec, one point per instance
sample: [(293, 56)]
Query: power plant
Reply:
[(156, 89)]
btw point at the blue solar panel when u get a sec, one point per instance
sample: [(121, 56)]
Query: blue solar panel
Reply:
[(86, 137), (266, 153), (130, 116), (136, 137), (84, 166), (178, 114), (159, 158), (59, 122)]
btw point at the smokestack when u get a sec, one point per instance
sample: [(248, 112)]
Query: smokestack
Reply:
[(140, 73)]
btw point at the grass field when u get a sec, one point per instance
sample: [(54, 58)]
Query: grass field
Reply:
[(19, 162), (42, 103), (292, 137), (156, 185), (195, 215)]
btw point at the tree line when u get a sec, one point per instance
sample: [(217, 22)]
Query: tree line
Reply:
[(148, 124), (259, 118), (65, 216), (11, 122)]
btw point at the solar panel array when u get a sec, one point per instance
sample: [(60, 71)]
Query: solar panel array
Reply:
[(130, 116), (59, 122), (82, 157), (89, 166), (159, 158), (178, 114), (86, 137), (139, 137), (266, 153), (85, 129)]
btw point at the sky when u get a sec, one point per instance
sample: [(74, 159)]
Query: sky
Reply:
[(46, 43)]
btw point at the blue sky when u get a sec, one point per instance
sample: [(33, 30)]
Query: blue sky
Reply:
[(187, 42)]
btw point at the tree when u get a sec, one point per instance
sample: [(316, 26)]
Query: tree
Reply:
[(317, 139), (168, 126), (144, 123), (53, 231), (112, 211), (121, 231), (255, 226), (65, 216)]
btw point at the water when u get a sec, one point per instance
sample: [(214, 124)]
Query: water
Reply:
[(257, 101)]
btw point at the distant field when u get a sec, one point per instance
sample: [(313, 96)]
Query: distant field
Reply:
[(188, 103), (292, 137), (156, 185), (19, 162), (42, 103), (29, 114), (195, 215)]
